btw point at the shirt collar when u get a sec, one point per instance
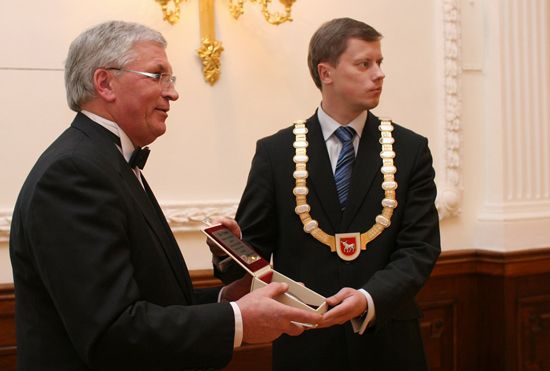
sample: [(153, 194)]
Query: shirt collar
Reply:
[(125, 142), (329, 125)]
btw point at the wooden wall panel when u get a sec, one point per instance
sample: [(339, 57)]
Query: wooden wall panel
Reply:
[(534, 330), (7, 328), (454, 298), (482, 311), (439, 330)]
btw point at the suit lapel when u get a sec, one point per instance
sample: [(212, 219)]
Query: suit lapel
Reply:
[(171, 247), (157, 222), (113, 157), (367, 165), (320, 173), (147, 204)]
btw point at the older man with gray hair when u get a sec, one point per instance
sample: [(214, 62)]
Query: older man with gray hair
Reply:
[(99, 279)]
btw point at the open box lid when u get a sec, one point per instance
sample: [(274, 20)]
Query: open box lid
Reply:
[(240, 251), (298, 295)]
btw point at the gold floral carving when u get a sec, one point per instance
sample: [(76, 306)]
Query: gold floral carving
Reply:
[(275, 18), (209, 53), (211, 49), (170, 13)]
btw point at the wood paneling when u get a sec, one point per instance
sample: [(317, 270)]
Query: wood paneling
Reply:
[(449, 306), (7, 327), (500, 306), (439, 331), (482, 311), (534, 328)]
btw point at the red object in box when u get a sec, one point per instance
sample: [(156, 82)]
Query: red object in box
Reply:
[(298, 295)]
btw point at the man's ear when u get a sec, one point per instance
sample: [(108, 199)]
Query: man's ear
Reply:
[(324, 70), (103, 80)]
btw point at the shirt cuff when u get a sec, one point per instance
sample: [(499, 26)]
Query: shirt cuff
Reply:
[(361, 323), (220, 294), (237, 341)]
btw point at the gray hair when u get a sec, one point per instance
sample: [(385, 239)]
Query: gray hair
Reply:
[(331, 40), (108, 44)]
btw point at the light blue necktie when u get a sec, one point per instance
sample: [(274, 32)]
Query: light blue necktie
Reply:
[(344, 166)]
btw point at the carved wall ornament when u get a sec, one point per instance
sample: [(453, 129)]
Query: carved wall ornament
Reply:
[(450, 190), (211, 49)]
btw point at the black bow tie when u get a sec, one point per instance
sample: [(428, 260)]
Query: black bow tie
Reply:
[(139, 157)]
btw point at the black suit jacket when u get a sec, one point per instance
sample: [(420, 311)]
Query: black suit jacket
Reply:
[(99, 279), (392, 269)]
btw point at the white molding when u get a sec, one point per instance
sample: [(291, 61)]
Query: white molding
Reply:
[(450, 192), (516, 211), (506, 234), (183, 217), (189, 216), (5, 222)]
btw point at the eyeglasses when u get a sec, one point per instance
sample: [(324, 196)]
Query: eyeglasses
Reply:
[(165, 79)]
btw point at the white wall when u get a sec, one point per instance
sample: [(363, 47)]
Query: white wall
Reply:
[(200, 165)]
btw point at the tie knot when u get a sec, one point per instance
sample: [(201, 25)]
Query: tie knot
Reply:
[(139, 157), (345, 133)]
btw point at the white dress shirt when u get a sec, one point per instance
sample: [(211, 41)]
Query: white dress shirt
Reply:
[(334, 146), (126, 147)]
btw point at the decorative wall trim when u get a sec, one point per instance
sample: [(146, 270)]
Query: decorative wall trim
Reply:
[(188, 217), (5, 222), (4, 68), (450, 192), (182, 216)]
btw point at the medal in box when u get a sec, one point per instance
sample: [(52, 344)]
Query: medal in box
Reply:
[(297, 296)]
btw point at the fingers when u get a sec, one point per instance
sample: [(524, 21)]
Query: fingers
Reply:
[(308, 319), (265, 319), (274, 289), (294, 329), (335, 316), (299, 317), (339, 296), (215, 249), (230, 224), (346, 304)]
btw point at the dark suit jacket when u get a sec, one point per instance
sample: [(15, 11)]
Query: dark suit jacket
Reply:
[(99, 279), (392, 269)]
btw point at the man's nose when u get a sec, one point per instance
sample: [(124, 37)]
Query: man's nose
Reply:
[(171, 93), (379, 74)]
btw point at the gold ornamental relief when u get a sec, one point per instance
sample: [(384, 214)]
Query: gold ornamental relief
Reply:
[(237, 9), (211, 49), (275, 18), (209, 53), (170, 10)]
